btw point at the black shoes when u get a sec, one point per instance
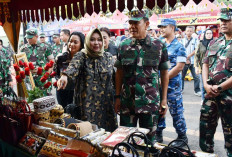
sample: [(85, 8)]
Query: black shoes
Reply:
[(180, 143), (158, 138)]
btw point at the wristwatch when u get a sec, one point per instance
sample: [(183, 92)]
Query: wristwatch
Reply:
[(117, 96), (219, 88)]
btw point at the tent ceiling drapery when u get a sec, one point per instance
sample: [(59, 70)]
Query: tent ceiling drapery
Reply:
[(39, 10)]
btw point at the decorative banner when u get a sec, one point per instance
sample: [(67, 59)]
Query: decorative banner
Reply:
[(196, 21)]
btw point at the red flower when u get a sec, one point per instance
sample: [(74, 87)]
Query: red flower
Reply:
[(43, 79), (31, 66), (47, 66), (39, 71), (48, 84), (18, 79), (25, 64), (27, 71), (22, 74), (55, 84), (46, 75), (51, 62), (53, 74), (16, 67), (21, 63)]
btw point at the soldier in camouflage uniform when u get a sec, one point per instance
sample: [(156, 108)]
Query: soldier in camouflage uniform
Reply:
[(42, 39), (57, 46), (177, 58), (37, 53), (5, 74), (216, 73), (137, 78)]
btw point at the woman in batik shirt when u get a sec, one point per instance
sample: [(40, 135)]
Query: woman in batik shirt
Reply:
[(94, 68), (75, 44)]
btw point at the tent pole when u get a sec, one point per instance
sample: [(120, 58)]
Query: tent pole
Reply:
[(14, 34)]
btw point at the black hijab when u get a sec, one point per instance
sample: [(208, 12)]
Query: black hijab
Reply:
[(205, 41)]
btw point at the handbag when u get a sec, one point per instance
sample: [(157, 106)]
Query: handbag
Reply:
[(147, 150), (11, 130), (31, 143), (169, 151), (26, 117), (130, 150)]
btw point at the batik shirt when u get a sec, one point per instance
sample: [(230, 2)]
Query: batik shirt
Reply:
[(141, 61), (219, 59), (94, 88)]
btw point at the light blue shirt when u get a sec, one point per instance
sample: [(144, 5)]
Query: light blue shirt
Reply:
[(191, 47), (176, 53)]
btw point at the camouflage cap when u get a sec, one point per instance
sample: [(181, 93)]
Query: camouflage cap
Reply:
[(42, 35), (225, 14), (31, 32), (56, 35), (137, 15)]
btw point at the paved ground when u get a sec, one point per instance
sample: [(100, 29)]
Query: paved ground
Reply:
[(192, 106)]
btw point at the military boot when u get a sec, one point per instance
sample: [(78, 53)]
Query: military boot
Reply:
[(158, 137), (180, 143)]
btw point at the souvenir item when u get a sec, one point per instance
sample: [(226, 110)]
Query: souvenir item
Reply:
[(49, 125), (42, 116), (40, 130), (82, 148), (84, 128), (44, 104), (56, 112), (64, 122), (31, 143), (58, 138), (51, 149), (67, 132)]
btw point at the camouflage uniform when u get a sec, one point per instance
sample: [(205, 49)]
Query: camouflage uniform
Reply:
[(219, 59), (5, 74), (39, 54), (176, 53), (57, 49), (140, 61)]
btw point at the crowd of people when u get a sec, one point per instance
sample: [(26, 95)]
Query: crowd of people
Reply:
[(140, 75)]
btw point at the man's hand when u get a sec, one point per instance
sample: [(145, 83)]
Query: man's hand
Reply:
[(163, 108), (188, 61), (62, 82), (197, 71), (212, 91), (11, 84), (117, 105)]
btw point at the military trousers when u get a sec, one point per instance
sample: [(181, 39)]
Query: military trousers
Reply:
[(148, 121), (211, 110), (176, 109)]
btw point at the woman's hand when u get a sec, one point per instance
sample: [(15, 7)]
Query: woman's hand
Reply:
[(117, 105), (62, 82), (197, 71)]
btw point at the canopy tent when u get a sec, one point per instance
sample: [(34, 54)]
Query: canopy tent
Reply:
[(13, 11), (192, 14), (86, 23)]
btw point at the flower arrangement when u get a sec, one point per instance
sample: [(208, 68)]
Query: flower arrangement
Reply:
[(43, 78)]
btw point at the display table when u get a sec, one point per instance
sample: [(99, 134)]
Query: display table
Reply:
[(7, 150)]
